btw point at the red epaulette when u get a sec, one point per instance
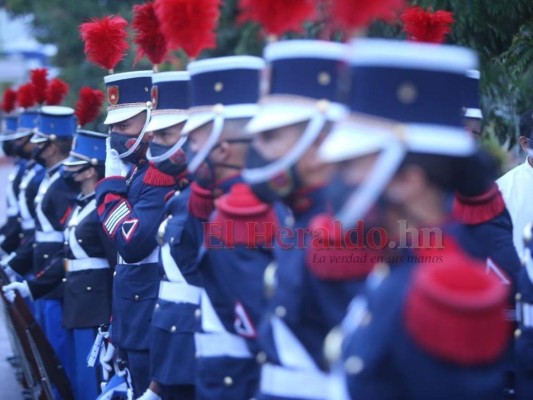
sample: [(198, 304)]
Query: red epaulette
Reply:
[(201, 202), (155, 177), (478, 209), (242, 219), (331, 256), (456, 312)]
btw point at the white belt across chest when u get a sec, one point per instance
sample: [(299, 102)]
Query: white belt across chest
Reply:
[(49, 237), (85, 264), (179, 292), (27, 220), (12, 202), (27, 224), (216, 341), (284, 382), (152, 258), (45, 223)]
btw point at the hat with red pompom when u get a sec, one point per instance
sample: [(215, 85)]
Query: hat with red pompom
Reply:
[(456, 312), (242, 219)]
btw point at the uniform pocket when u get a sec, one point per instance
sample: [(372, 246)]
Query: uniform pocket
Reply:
[(139, 291), (175, 318)]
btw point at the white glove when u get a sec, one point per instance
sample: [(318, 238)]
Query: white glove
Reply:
[(106, 360), (11, 274), (4, 263), (22, 287), (114, 166), (149, 395)]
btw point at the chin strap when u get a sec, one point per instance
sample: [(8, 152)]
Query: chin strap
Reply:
[(140, 137), (311, 132), (362, 198), (170, 152), (216, 131)]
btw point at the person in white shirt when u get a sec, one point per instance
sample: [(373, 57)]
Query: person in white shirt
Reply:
[(517, 184)]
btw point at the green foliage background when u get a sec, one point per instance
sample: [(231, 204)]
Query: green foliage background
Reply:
[(500, 30)]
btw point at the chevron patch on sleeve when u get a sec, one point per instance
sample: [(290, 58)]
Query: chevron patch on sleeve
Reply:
[(121, 212)]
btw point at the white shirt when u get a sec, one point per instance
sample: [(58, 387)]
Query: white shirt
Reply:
[(517, 190)]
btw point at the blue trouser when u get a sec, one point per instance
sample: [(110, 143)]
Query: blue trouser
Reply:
[(85, 383), (139, 367), (49, 314)]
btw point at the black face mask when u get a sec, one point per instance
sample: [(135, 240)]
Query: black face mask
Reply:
[(9, 148), (37, 152), (70, 178), (204, 175), (175, 165), (122, 143), (277, 188), (18, 148)]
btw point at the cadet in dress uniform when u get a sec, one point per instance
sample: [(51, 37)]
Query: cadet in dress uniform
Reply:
[(293, 119), (10, 232), (21, 259), (172, 350), (418, 331), (54, 203), (131, 207), (88, 260), (238, 236)]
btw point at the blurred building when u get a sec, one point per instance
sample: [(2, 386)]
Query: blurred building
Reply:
[(19, 50)]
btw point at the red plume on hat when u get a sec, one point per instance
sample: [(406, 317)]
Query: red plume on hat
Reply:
[(9, 100), (278, 16), (426, 26), (356, 14), (149, 39), (89, 105), (188, 24), (56, 92), (105, 40), (39, 80), (26, 95)]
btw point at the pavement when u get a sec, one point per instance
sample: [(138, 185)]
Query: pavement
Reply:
[(10, 389)]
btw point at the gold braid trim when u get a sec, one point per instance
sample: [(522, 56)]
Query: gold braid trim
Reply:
[(147, 104), (170, 111)]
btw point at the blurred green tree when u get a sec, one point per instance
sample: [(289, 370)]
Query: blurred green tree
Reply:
[(500, 31)]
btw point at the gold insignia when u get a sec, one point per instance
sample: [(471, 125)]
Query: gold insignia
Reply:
[(324, 78), (407, 93), (218, 87)]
